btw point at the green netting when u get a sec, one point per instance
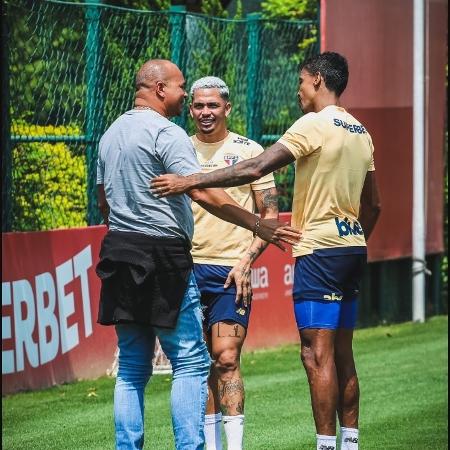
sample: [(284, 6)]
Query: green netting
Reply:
[(71, 73)]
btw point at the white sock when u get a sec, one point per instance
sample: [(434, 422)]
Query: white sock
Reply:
[(326, 442), (212, 431), (234, 430), (349, 438)]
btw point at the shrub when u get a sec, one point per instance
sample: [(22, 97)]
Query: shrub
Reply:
[(48, 181)]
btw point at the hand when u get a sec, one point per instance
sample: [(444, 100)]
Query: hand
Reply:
[(241, 275), (276, 232), (168, 184)]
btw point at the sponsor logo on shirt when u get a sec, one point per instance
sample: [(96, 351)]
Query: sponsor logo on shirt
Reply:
[(241, 140), (352, 128), (345, 227), (209, 165), (333, 297), (230, 159)]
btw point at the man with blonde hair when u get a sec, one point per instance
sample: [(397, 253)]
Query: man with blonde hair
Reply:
[(223, 256)]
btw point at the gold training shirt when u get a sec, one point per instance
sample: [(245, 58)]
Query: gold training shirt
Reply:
[(333, 154), (215, 241)]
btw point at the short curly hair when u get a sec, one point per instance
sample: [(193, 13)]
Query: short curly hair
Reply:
[(332, 66)]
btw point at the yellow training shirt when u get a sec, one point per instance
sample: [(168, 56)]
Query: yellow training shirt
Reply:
[(215, 241), (333, 154)]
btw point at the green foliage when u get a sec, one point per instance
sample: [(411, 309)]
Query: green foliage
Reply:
[(38, 54), (50, 81), (284, 63), (218, 55), (289, 9), (124, 51), (284, 179), (213, 8), (154, 5), (49, 182)]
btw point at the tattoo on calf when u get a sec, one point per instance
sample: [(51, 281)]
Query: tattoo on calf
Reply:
[(227, 391)]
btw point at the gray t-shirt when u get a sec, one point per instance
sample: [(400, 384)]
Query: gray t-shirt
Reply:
[(138, 146)]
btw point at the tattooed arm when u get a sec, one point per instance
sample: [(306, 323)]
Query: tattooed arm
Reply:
[(267, 204), (275, 157)]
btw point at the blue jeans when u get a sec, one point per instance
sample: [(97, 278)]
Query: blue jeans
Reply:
[(187, 352)]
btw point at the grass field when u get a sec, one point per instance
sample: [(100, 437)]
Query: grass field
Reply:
[(402, 370)]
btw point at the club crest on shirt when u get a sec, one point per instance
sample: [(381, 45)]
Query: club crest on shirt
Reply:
[(230, 159)]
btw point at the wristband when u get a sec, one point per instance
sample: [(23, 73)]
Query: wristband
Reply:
[(256, 228)]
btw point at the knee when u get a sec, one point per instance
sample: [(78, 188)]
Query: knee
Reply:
[(315, 358), (135, 374), (227, 361), (192, 363)]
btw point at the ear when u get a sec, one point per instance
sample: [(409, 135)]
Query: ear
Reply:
[(228, 109), (317, 80), (160, 88), (190, 111)]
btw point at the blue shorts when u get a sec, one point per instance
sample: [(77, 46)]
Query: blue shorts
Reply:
[(326, 287), (219, 304)]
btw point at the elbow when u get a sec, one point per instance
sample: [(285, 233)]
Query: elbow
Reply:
[(251, 170), (255, 173), (197, 195)]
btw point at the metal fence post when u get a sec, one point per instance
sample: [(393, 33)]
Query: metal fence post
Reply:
[(253, 82), (94, 106), (418, 211), (177, 41), (6, 129)]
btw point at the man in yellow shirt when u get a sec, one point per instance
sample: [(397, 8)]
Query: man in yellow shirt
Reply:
[(223, 256), (336, 206)]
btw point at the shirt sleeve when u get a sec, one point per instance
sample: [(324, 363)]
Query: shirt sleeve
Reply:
[(303, 137), (100, 168), (265, 182), (176, 151)]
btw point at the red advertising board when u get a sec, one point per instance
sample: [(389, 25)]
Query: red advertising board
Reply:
[(50, 298), (49, 308)]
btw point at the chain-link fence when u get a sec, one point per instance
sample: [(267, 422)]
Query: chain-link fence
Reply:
[(69, 72)]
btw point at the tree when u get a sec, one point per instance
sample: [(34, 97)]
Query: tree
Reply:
[(290, 9)]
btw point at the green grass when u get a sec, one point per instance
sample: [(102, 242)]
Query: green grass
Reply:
[(403, 377)]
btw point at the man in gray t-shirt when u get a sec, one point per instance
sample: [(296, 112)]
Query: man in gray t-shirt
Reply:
[(140, 145)]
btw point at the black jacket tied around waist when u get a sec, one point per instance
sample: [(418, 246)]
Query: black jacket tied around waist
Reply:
[(144, 279)]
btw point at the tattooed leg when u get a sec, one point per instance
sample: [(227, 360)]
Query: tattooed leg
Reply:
[(232, 397), (227, 385)]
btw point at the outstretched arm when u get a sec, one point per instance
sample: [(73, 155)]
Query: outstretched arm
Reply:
[(245, 172), (267, 203), (370, 204), (219, 203)]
